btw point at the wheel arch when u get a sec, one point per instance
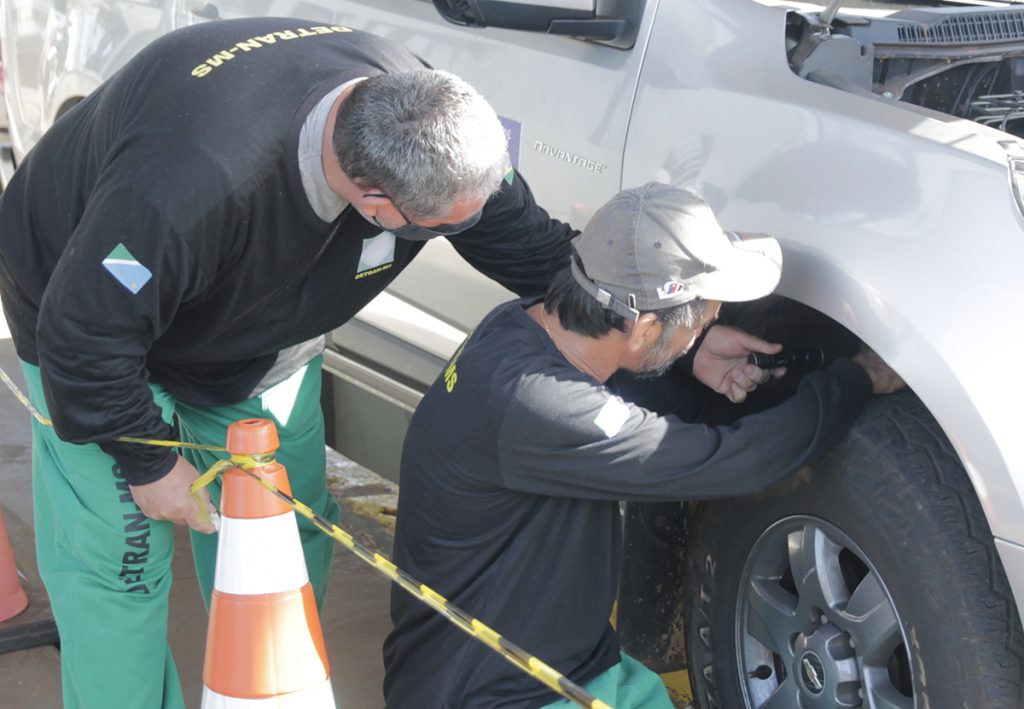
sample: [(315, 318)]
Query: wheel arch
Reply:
[(815, 281)]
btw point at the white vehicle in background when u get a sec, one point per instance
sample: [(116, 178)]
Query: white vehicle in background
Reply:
[(880, 142)]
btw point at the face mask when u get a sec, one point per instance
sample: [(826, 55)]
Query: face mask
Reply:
[(410, 231), (415, 232)]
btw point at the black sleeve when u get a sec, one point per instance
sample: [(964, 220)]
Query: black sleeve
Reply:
[(676, 392), (516, 242), (566, 438), (94, 333)]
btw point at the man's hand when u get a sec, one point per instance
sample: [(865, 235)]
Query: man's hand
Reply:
[(721, 362), (883, 379), (169, 499)]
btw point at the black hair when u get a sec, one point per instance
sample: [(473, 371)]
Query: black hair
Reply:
[(579, 312)]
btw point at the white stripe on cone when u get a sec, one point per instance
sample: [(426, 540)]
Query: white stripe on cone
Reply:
[(260, 555), (320, 696)]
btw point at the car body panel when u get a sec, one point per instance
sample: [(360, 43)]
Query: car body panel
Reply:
[(65, 49)]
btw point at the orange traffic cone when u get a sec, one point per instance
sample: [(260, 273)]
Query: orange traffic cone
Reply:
[(264, 646), (12, 597)]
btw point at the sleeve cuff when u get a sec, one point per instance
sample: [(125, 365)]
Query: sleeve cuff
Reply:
[(140, 464)]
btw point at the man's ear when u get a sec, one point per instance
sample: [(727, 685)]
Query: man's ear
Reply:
[(643, 332), (370, 201)]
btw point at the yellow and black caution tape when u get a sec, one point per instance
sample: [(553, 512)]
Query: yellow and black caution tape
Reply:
[(458, 617), (526, 662), (123, 439)]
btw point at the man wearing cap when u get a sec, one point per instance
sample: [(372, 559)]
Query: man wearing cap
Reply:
[(517, 457)]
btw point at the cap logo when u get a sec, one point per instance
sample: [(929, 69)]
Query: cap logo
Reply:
[(670, 289)]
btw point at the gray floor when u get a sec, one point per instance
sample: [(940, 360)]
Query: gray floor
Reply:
[(354, 620)]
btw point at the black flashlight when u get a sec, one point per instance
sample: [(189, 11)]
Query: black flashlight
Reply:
[(812, 357)]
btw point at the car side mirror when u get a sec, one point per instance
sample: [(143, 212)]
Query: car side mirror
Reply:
[(611, 22)]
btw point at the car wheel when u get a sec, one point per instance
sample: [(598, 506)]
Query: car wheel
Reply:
[(868, 579)]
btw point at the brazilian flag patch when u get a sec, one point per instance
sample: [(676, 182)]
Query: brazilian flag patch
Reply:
[(510, 173), (126, 269)]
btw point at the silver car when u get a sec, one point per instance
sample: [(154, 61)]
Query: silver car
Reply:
[(880, 142)]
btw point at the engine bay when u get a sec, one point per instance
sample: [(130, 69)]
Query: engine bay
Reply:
[(962, 60)]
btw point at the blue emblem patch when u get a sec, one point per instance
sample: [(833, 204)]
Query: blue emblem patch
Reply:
[(126, 269)]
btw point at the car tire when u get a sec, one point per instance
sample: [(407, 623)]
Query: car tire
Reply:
[(881, 540)]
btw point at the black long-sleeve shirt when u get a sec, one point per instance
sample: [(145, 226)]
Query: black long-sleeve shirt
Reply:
[(511, 475), (159, 230)]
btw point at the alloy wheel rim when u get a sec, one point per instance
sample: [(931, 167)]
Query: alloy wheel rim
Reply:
[(816, 625)]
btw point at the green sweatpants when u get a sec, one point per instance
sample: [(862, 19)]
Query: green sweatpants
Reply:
[(107, 568), (627, 685)]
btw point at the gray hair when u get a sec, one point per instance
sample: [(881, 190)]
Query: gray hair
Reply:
[(689, 315), (426, 138)]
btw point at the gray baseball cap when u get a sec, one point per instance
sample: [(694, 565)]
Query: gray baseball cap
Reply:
[(657, 246)]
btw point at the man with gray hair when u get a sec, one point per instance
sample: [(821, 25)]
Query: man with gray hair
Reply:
[(513, 469), (171, 254)]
